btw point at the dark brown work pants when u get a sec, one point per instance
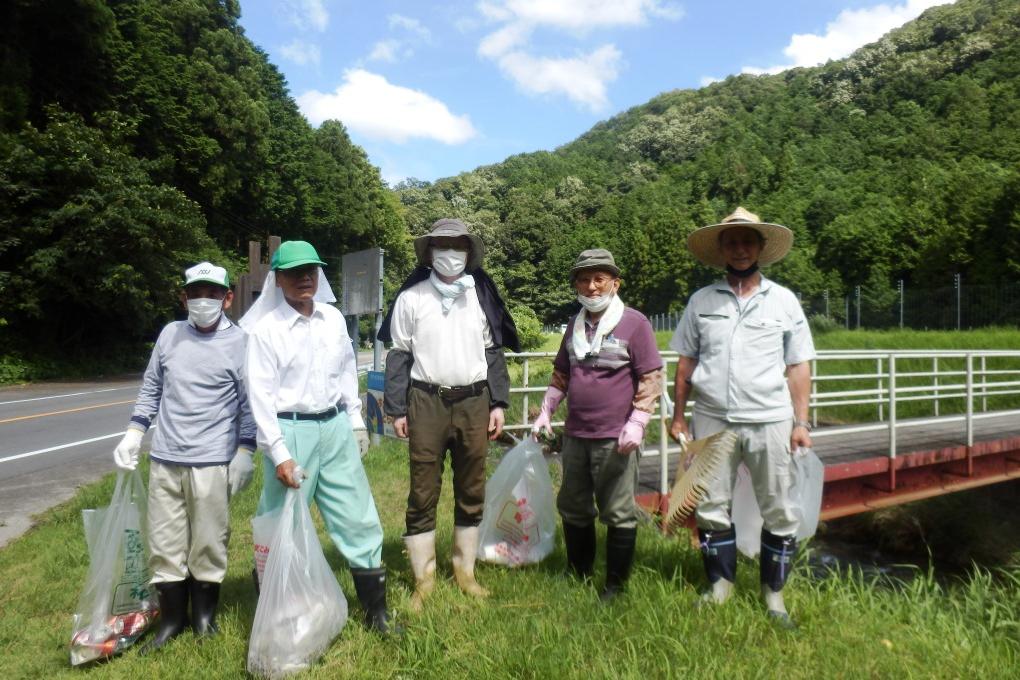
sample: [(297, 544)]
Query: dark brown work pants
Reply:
[(434, 426)]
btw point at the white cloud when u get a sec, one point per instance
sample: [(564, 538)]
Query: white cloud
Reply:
[(708, 80), (370, 105), (385, 50), (505, 39), (583, 79), (307, 15), (301, 53), (579, 15), (850, 30), (411, 25)]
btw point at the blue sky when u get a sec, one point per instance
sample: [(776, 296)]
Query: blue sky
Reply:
[(434, 89)]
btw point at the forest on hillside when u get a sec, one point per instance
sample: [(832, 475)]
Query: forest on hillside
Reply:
[(140, 136), (901, 162)]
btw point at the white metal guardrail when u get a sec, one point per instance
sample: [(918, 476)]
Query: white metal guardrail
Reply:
[(857, 391)]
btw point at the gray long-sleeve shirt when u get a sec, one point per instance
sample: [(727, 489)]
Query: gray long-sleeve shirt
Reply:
[(194, 389)]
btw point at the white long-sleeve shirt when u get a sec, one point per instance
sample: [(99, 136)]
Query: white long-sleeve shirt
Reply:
[(303, 364), (448, 349)]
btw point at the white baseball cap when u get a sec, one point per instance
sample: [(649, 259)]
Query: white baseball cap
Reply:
[(207, 271)]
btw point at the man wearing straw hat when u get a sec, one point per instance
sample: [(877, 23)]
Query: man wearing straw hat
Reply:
[(745, 349), (303, 385), (446, 387), (609, 369), (194, 392)]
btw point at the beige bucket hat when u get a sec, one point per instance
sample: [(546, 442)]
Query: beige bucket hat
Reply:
[(704, 242), (452, 228)]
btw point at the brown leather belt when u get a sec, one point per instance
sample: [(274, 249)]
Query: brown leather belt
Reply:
[(448, 393)]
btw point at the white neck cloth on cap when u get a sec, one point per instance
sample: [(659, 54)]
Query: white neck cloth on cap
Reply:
[(272, 296)]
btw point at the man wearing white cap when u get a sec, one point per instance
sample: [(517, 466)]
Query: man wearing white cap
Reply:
[(201, 452), (745, 350)]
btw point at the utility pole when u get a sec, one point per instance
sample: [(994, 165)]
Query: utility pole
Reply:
[(826, 303), (901, 303), (958, 284), (857, 291)]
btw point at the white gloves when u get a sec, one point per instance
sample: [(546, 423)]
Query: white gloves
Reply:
[(361, 435), (240, 471), (125, 456)]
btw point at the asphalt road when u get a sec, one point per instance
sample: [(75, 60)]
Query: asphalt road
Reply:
[(56, 437)]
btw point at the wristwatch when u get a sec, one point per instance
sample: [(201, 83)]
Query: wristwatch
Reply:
[(802, 423)]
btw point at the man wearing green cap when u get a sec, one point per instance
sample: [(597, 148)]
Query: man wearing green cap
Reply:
[(303, 384), (201, 452), (609, 369)]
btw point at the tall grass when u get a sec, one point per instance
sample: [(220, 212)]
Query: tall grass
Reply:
[(537, 623)]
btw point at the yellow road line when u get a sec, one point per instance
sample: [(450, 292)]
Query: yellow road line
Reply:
[(70, 410)]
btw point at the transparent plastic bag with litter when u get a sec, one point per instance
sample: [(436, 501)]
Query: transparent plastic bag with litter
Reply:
[(117, 605), (519, 523), (301, 608)]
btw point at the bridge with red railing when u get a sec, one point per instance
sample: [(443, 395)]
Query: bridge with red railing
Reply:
[(891, 426)]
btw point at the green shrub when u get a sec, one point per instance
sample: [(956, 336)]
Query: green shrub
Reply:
[(823, 324), (529, 328)]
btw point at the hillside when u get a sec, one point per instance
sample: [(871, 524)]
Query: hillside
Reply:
[(899, 162)]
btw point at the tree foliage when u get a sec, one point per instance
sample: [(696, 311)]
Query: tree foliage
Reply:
[(139, 135), (899, 162)]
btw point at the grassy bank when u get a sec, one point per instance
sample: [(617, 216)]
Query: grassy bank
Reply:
[(538, 624)]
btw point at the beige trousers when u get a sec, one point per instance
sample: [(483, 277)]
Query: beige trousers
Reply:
[(765, 449), (189, 522)]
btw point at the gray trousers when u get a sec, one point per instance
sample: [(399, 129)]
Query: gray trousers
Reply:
[(595, 475), (765, 449)]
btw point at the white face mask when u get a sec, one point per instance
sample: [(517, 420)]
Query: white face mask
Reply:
[(204, 312), (449, 262), (595, 304)]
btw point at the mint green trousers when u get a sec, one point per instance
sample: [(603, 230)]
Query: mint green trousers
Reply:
[(336, 481)]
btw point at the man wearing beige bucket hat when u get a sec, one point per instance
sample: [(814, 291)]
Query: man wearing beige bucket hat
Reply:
[(446, 387), (745, 350)]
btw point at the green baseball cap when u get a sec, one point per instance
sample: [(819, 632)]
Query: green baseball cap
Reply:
[(292, 254)]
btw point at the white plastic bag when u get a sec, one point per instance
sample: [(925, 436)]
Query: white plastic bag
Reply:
[(746, 514), (808, 477), (808, 480), (117, 605), (301, 608), (519, 523)]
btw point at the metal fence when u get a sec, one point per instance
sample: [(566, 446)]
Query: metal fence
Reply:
[(956, 306), (854, 391)]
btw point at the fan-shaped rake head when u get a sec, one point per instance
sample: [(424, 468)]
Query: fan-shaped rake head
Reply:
[(709, 456)]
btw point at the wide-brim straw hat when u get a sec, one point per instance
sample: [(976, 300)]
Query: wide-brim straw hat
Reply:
[(704, 242), (451, 228)]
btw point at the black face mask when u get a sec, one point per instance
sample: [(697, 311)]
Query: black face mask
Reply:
[(742, 273)]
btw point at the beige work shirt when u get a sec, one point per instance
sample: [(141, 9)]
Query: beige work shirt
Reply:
[(743, 348)]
